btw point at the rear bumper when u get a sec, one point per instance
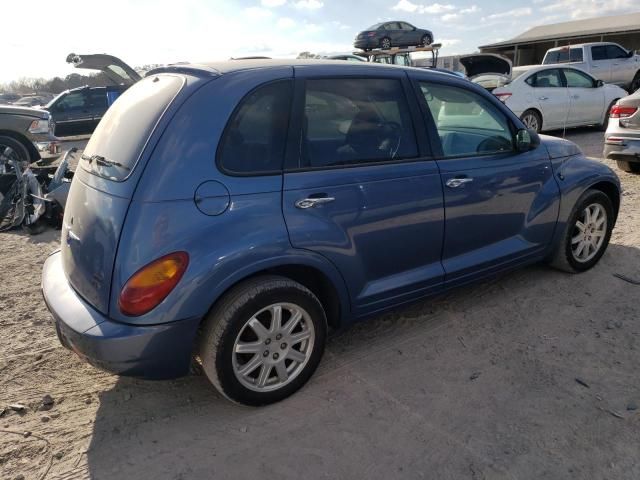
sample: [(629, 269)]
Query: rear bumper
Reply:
[(618, 147), (366, 43), (152, 352)]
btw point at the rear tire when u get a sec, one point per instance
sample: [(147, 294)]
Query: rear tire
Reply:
[(585, 231), (532, 119), (242, 332), (385, 43), (629, 167)]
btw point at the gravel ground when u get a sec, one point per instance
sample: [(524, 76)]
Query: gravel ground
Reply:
[(530, 375)]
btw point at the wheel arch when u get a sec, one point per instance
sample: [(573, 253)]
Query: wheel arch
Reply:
[(33, 152), (322, 279), (610, 189)]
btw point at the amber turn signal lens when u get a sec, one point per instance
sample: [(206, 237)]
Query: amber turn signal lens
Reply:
[(152, 283)]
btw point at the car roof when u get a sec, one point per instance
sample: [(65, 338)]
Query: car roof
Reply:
[(580, 45), (225, 67)]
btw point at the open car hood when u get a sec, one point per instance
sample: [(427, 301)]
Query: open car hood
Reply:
[(486, 64), (114, 68)]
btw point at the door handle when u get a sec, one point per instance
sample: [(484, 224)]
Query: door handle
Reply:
[(575, 97), (313, 202), (458, 182), (543, 98)]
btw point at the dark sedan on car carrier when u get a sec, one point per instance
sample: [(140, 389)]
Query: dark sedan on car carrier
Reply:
[(393, 34)]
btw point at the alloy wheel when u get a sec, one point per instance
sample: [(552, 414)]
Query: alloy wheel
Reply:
[(589, 233), (386, 43), (273, 347), (530, 121)]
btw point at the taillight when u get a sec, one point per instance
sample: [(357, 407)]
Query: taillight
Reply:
[(371, 34), (620, 111), (152, 283), (503, 97)]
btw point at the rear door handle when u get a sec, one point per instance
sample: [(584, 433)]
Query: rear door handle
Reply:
[(311, 202), (458, 182), (543, 98), (575, 97)]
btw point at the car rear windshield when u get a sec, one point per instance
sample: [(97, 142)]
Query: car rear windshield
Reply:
[(118, 141), (565, 55)]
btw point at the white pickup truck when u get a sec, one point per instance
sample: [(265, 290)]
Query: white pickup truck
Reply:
[(606, 61)]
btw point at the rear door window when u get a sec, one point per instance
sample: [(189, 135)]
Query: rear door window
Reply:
[(545, 79), (255, 137), (356, 121), (118, 141), (599, 52)]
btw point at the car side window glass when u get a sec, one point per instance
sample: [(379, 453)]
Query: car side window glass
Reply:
[(468, 124), (391, 26), (614, 51), (547, 79), (75, 100), (255, 137), (98, 99), (405, 26), (599, 52), (576, 55), (576, 79), (351, 121)]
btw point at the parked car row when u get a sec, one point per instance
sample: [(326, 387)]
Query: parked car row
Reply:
[(29, 100)]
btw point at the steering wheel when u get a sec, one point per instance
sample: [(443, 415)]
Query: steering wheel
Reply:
[(494, 144), (389, 137)]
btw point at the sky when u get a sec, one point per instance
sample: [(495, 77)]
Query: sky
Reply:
[(165, 31)]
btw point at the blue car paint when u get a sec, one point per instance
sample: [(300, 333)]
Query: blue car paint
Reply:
[(359, 246)]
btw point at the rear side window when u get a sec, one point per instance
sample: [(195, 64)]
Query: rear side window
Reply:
[(98, 98), (355, 121), (255, 137), (545, 79), (116, 145), (599, 52)]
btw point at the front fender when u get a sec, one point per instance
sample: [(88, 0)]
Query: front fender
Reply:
[(576, 174)]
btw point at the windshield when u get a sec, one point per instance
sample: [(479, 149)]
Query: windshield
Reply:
[(119, 139)]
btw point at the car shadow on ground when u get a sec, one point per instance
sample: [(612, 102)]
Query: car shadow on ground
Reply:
[(380, 398)]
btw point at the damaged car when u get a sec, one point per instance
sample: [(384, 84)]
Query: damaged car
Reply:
[(32, 196), (488, 70)]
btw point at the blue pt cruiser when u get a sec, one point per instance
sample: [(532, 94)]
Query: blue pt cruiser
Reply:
[(233, 212)]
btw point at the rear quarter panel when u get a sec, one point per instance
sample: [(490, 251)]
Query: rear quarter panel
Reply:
[(248, 237)]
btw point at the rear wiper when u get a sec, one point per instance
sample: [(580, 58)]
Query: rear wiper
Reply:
[(103, 162)]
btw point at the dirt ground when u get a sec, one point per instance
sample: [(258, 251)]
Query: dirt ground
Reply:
[(535, 374)]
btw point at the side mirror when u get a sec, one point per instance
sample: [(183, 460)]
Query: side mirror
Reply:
[(631, 53), (527, 139), (599, 83)]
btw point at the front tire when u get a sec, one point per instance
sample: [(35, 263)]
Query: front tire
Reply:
[(532, 120), (586, 234), (385, 43), (426, 41), (629, 167), (263, 340)]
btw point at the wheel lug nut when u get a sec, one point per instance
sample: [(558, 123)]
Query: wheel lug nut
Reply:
[(275, 356), (266, 353), (279, 336), (267, 341), (283, 346)]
